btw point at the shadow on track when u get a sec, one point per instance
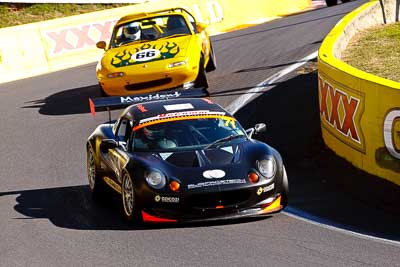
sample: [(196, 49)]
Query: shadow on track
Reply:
[(321, 184), (73, 208), (73, 101)]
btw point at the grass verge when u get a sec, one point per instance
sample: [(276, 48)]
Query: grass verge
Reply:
[(376, 51), (13, 14)]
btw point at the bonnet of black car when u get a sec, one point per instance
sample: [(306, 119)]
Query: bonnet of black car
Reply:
[(200, 158)]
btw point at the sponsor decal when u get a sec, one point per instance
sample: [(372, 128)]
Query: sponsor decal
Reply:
[(213, 174), (182, 114), (340, 112), (265, 189), (141, 108), (112, 184), (158, 96), (391, 133), (216, 183), (159, 198), (80, 37), (178, 107), (146, 53)]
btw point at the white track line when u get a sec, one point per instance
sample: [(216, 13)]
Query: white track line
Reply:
[(292, 212), (242, 100), (303, 216)]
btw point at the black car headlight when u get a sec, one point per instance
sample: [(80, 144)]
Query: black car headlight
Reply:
[(155, 179), (267, 167)]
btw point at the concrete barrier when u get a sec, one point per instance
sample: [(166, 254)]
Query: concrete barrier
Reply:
[(47, 46), (360, 112)]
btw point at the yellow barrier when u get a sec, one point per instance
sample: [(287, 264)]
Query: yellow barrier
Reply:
[(360, 112), (52, 45)]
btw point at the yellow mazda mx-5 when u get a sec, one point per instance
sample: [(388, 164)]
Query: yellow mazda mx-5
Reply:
[(155, 51)]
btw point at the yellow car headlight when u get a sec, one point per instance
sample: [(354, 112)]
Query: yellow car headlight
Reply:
[(176, 64)]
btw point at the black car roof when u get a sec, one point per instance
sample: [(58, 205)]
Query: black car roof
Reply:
[(153, 108)]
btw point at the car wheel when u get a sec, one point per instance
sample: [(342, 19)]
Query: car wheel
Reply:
[(102, 92), (331, 2), (95, 184), (212, 63), (129, 201), (201, 79), (285, 188), (345, 1)]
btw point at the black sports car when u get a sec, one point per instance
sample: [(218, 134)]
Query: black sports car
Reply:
[(183, 159)]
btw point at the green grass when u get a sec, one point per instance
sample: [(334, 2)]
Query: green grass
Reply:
[(376, 51), (12, 14)]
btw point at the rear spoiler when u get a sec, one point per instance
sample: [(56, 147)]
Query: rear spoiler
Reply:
[(124, 101)]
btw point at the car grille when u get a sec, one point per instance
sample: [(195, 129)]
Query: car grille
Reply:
[(145, 85), (227, 199)]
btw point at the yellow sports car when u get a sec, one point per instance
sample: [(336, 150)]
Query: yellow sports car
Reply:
[(155, 51)]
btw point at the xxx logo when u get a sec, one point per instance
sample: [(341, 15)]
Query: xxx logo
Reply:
[(79, 37), (339, 110)]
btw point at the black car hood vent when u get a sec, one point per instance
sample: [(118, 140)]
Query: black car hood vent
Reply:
[(200, 158), (182, 159)]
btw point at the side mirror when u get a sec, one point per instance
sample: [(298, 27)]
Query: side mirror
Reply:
[(200, 26), (101, 45), (260, 128), (108, 144)]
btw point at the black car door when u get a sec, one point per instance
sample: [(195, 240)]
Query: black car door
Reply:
[(117, 157)]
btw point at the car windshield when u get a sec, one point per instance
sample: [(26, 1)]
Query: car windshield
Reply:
[(186, 134), (150, 29)]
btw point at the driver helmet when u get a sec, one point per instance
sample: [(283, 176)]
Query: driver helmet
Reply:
[(132, 31), (154, 132)]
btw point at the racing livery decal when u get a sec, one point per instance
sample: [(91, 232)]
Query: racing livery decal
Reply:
[(216, 183), (146, 53), (341, 110)]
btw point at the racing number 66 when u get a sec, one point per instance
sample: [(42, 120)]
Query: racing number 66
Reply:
[(144, 54)]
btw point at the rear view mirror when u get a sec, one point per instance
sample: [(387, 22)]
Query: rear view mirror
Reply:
[(101, 45), (108, 144)]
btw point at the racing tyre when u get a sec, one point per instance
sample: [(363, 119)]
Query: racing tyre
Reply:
[(201, 79), (212, 62), (345, 1), (285, 188), (129, 205), (96, 185), (331, 2)]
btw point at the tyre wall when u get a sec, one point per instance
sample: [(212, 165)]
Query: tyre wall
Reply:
[(47, 46), (359, 112)]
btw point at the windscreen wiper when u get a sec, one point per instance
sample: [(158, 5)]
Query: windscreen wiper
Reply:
[(224, 140)]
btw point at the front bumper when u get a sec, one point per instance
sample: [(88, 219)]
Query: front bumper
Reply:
[(239, 203), (266, 209), (148, 82)]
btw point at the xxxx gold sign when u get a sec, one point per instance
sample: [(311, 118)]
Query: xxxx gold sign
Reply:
[(341, 109), (391, 132)]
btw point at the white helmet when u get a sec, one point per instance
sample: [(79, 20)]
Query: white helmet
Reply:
[(132, 31)]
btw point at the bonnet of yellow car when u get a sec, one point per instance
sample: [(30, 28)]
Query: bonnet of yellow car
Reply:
[(140, 53)]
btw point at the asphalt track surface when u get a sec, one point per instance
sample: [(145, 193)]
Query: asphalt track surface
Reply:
[(47, 217)]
